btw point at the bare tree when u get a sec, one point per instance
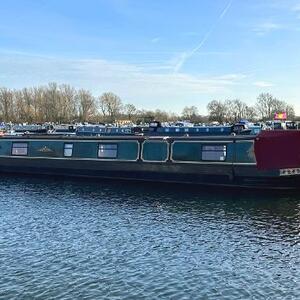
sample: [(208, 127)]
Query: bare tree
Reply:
[(130, 110), (68, 103), (250, 113), (19, 107), (290, 111), (267, 105), (190, 113), (217, 111), (6, 104), (110, 105), (37, 103), (62, 103), (27, 95), (235, 110), (51, 102), (86, 105)]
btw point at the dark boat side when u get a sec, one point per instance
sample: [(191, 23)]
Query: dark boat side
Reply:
[(206, 160)]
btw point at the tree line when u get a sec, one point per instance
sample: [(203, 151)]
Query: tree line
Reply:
[(64, 104), (264, 109)]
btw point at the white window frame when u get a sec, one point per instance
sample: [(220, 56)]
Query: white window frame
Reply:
[(208, 152), (68, 149), (19, 149), (107, 151)]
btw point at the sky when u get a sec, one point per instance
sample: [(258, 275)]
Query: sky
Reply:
[(155, 54)]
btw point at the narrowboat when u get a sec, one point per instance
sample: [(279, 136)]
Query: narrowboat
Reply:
[(155, 129), (270, 159)]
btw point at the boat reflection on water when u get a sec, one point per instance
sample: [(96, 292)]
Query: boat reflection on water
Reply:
[(269, 212)]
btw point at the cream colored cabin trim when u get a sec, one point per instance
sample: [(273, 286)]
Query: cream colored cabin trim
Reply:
[(213, 163), (67, 140), (124, 160), (67, 158), (245, 141), (244, 164)]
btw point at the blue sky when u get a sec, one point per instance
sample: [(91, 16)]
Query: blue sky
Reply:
[(158, 53)]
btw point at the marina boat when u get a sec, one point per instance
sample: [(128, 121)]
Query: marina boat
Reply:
[(214, 156), (155, 129), (30, 129)]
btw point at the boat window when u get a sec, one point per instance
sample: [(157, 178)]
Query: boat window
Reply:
[(68, 150), (214, 152), (19, 149), (108, 151)]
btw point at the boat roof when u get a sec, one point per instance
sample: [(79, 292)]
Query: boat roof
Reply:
[(124, 137)]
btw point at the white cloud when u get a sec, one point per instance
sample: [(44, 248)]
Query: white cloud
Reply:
[(263, 84), (296, 10), (155, 40), (267, 27), (233, 77), (184, 56), (145, 87)]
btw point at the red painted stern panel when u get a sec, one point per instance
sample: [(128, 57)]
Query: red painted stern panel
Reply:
[(277, 149)]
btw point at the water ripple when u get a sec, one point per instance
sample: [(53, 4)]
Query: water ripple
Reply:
[(90, 240)]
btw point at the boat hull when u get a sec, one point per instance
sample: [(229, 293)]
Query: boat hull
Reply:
[(216, 175), (218, 160)]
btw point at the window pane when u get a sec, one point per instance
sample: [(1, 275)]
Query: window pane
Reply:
[(20, 145), (19, 151), (108, 146), (108, 151), (214, 148), (68, 146), (68, 152), (214, 152), (214, 155)]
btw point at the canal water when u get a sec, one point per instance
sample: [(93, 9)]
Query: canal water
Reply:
[(80, 239)]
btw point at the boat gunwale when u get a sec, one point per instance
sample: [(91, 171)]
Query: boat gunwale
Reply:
[(136, 137)]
